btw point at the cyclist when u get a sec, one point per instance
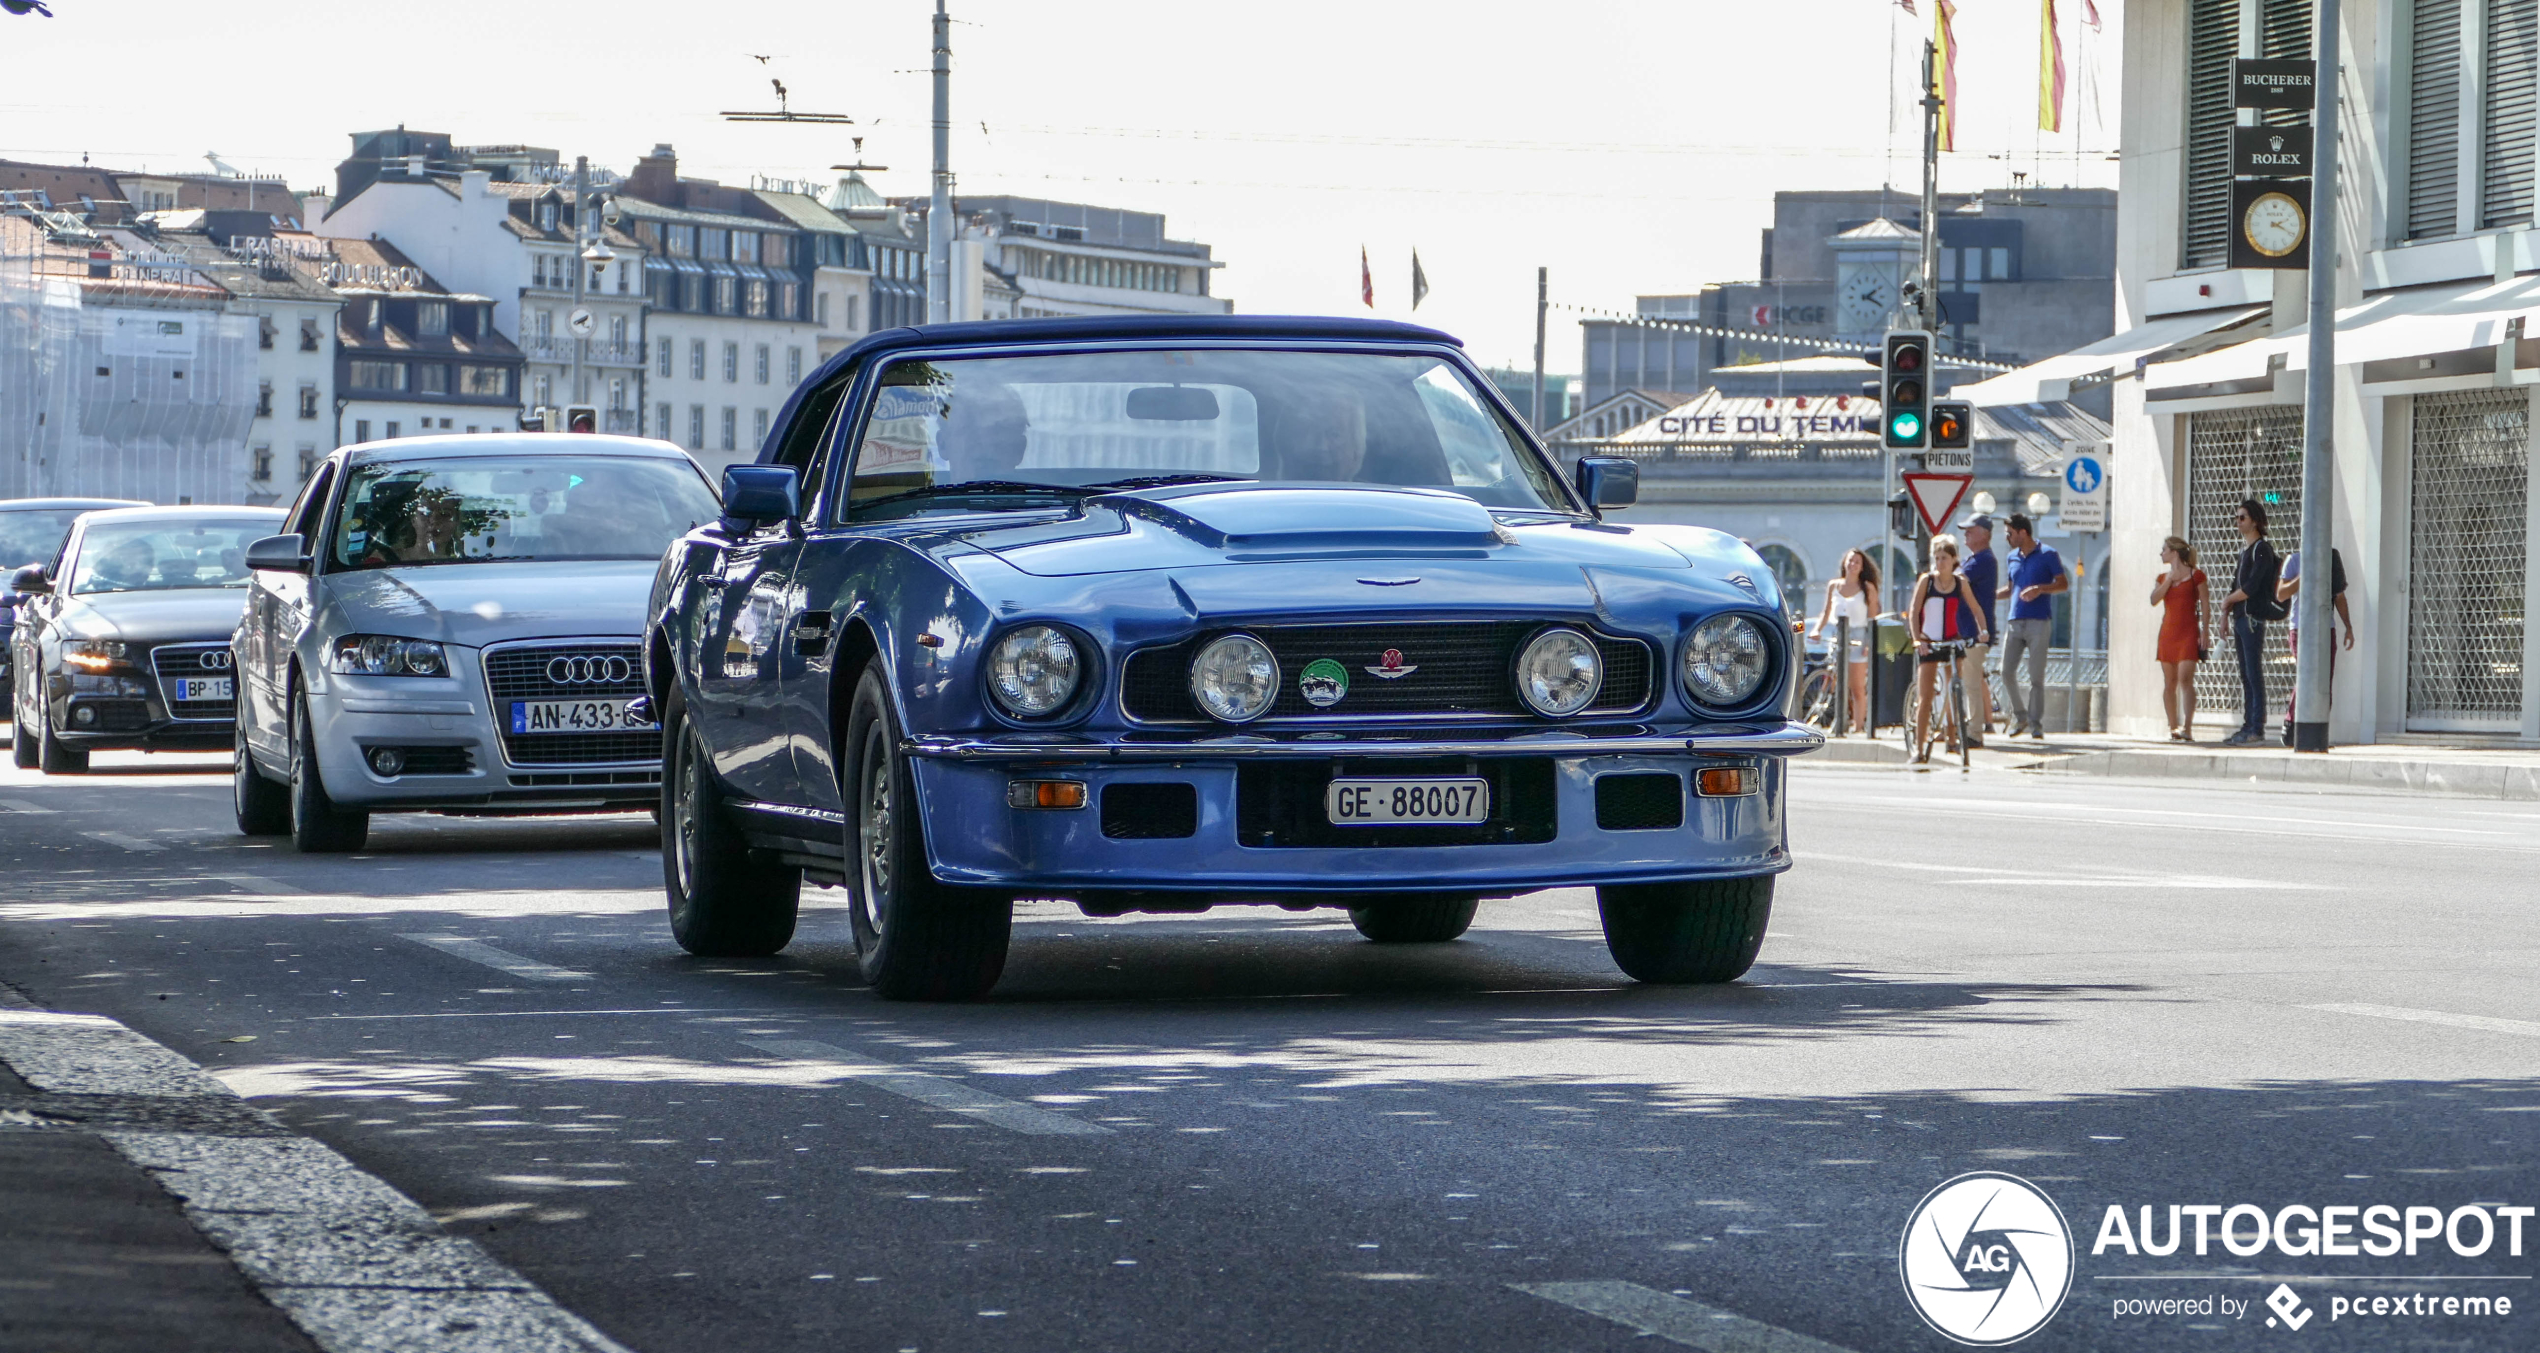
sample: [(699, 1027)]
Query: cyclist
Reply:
[(1946, 621)]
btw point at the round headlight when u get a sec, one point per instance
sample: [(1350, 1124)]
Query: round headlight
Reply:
[(1235, 678), (421, 657), (1726, 660), (1559, 673), (1033, 671)]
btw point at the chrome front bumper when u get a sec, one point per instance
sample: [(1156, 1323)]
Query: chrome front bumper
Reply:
[(1783, 739)]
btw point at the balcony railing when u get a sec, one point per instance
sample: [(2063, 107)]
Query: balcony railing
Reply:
[(595, 352)]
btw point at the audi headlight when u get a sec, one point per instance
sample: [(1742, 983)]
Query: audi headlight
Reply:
[(1559, 673), (95, 655), (1034, 671), (1726, 660), (1235, 678), (382, 655)]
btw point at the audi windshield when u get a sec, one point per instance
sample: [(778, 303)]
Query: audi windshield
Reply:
[(163, 556), (406, 514)]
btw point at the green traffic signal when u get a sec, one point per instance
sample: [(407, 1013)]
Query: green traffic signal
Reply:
[(1905, 427)]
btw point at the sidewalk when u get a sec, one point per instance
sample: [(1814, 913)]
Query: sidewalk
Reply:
[(2466, 772)]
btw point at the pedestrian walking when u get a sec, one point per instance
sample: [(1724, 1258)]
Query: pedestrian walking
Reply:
[(2250, 606), (1850, 597), (1945, 619), (2036, 575), (1983, 570), (2288, 585), (2184, 597)]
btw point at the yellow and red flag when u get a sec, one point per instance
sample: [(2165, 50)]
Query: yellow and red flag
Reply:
[(1944, 41), (2050, 73)]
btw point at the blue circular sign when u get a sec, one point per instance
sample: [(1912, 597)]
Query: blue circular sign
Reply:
[(2083, 475)]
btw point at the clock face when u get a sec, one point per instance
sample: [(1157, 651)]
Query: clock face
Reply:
[(2274, 225), (1866, 288)]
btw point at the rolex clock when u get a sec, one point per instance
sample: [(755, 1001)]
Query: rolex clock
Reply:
[(2271, 223)]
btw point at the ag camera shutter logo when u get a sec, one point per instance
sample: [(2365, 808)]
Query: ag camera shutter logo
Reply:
[(1987, 1259)]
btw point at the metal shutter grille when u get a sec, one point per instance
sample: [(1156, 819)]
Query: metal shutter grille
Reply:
[(2468, 503), (2284, 34), (2213, 39), (2434, 120), (2513, 62), (2234, 454)]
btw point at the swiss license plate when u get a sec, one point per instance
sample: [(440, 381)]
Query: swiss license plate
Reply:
[(202, 688), (1368, 803), (572, 716)]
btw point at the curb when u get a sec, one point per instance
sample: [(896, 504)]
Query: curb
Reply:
[(2517, 783), (358, 1266)]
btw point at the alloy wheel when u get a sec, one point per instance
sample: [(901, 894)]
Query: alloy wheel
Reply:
[(686, 822), (873, 830)]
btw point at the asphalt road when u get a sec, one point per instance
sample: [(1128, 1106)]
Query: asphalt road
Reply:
[(1253, 1130)]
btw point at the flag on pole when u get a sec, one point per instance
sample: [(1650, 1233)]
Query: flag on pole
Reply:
[(1366, 280), (1944, 41), (2090, 15), (1419, 281), (1906, 5), (2050, 73)]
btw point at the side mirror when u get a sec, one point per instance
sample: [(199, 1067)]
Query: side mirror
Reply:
[(1609, 481), (278, 554), (30, 580), (756, 495)]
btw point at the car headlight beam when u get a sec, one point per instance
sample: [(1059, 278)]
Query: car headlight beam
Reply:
[(1034, 670), (387, 655), (1235, 678), (1559, 673), (1726, 660)]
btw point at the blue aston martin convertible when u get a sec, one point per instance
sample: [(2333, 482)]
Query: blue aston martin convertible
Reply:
[(1160, 613)]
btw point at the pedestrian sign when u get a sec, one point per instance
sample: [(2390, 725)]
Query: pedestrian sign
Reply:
[(1936, 496), (2085, 502)]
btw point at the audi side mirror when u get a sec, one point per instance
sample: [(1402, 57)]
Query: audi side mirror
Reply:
[(278, 554), (1609, 481), (30, 580), (760, 495)]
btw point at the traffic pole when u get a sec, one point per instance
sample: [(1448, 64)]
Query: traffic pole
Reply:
[(1543, 294), (939, 222), (2319, 391)]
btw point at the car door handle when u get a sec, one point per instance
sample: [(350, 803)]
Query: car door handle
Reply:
[(811, 632)]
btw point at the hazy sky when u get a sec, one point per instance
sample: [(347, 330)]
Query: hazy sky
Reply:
[(1632, 146)]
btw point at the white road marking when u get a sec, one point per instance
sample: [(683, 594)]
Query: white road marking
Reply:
[(2484, 1023), (119, 839), (22, 806), (925, 1087), (93, 1055), (258, 883), (500, 960), (1971, 874), (1675, 1319)]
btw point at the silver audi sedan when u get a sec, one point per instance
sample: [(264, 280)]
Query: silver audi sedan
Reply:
[(455, 624)]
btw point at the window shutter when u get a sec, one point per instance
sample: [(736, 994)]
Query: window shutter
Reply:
[(2434, 119), (2285, 28), (2513, 64), (2213, 39)]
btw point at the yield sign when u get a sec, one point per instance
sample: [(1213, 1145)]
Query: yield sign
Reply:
[(1936, 496)]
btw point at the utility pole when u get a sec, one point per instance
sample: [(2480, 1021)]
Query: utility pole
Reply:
[(581, 269), (2319, 389), (1543, 295), (1927, 295), (939, 222)]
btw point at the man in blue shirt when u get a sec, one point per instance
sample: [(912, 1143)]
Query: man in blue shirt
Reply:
[(1983, 572), (2037, 574)]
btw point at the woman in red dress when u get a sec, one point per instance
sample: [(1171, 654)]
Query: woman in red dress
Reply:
[(2182, 594)]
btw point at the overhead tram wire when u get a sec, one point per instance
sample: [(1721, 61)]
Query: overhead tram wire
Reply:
[(1725, 331)]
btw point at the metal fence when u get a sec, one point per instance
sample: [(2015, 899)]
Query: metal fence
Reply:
[(2468, 509)]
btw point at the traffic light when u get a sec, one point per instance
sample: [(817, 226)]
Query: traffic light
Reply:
[(1900, 516), (1905, 390), (1953, 424), (581, 418)]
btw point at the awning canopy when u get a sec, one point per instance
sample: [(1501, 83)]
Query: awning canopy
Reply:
[(2418, 322), (2052, 379)]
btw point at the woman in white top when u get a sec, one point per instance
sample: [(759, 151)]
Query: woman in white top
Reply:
[(1850, 597)]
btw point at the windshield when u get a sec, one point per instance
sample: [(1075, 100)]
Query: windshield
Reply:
[(162, 556), (33, 536), (410, 513), (1023, 429)]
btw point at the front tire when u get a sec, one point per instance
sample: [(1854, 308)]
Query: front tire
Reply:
[(1414, 920), (262, 807), (54, 756), (918, 940), (726, 899), (22, 748), (318, 826), (1672, 933)]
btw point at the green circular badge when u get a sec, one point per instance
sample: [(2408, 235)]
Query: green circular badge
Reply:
[(1323, 683)]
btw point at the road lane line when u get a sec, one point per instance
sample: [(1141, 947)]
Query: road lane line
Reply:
[(1675, 1319), (926, 1087), (22, 806), (500, 960), (2484, 1023), (119, 839), (258, 883)]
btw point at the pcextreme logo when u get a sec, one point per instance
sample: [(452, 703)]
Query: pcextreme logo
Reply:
[(1986, 1259)]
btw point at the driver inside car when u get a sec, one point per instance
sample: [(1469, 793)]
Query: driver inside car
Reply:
[(986, 434), (126, 567), (1324, 441)]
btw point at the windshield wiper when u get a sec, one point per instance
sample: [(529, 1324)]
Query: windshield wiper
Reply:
[(1160, 481), (979, 486)]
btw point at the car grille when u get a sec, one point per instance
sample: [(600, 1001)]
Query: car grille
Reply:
[(528, 672), (194, 660), (1463, 670)]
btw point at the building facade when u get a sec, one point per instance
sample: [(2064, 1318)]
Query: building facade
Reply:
[(274, 276), (413, 356), (1027, 258)]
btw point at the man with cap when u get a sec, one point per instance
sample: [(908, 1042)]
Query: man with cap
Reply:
[(1984, 572)]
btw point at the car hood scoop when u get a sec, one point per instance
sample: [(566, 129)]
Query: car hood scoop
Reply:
[(1213, 524), (479, 604)]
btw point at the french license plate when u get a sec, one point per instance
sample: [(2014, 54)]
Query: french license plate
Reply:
[(202, 688), (572, 716), (1369, 803)]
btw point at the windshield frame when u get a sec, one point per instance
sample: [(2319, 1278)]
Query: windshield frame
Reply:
[(836, 506), (321, 551)]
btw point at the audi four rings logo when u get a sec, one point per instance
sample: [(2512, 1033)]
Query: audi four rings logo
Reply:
[(588, 670), (217, 660)]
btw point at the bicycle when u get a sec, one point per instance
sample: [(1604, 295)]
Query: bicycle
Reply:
[(1815, 702), (1949, 694)]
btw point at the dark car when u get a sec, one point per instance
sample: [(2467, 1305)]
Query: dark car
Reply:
[(31, 532), (124, 641), (1156, 614)]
